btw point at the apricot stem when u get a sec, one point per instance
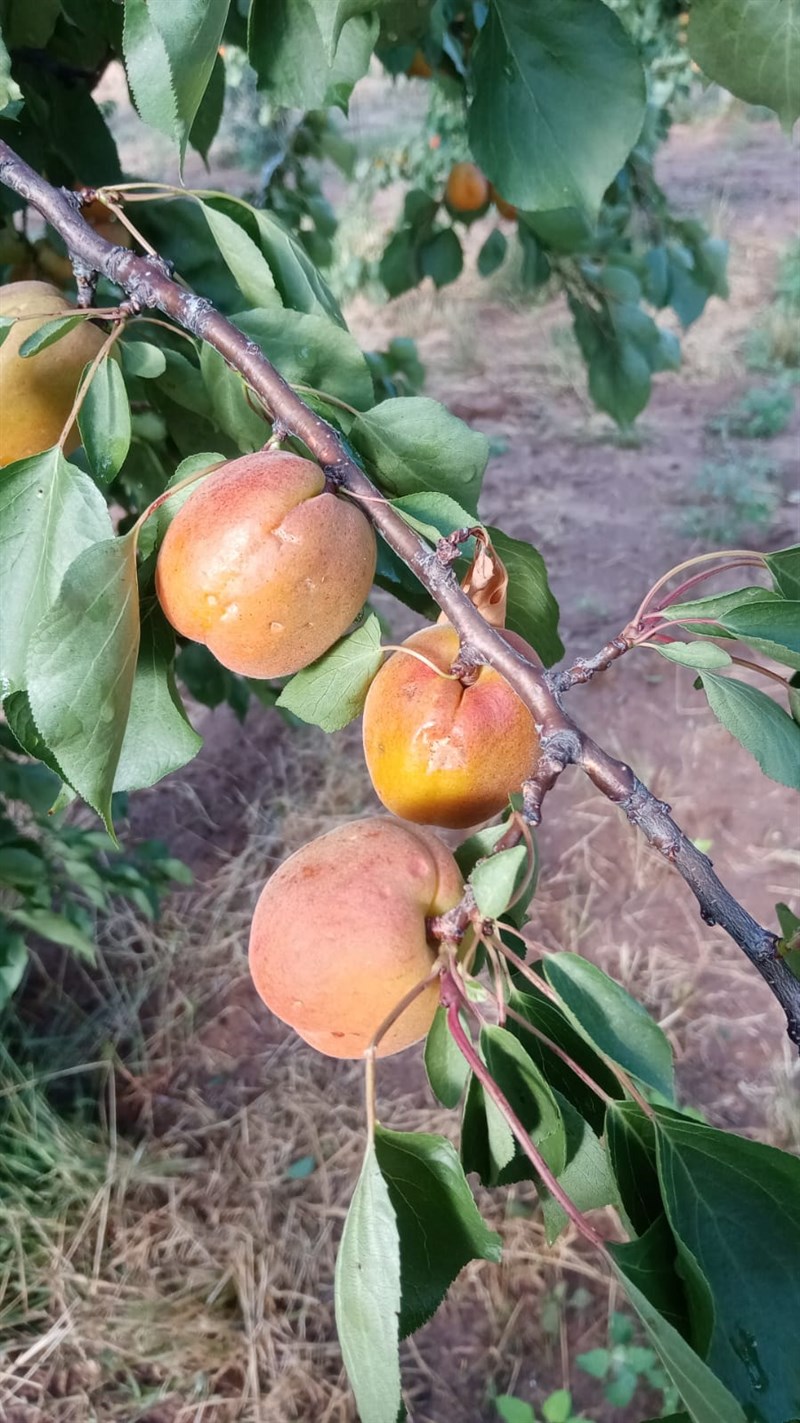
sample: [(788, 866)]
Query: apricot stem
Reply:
[(119, 214), (398, 647), (490, 1087), (329, 399), (370, 1051), (102, 355)]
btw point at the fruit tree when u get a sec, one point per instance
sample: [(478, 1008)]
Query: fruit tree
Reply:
[(201, 469)]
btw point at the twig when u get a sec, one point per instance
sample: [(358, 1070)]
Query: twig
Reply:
[(148, 284)]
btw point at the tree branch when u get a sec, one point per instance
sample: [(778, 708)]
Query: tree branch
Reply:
[(148, 284)]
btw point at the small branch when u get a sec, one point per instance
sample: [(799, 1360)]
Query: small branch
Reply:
[(491, 1089), (585, 668), (556, 751), (149, 284)]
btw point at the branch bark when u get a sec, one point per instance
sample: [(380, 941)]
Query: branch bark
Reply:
[(148, 284)]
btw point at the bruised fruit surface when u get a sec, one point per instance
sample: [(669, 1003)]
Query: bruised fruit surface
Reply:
[(439, 752), (467, 190), (38, 391), (339, 935), (264, 566)]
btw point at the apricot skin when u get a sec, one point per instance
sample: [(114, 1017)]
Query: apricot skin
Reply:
[(440, 753), (264, 566), (339, 935), (38, 391), (467, 190)]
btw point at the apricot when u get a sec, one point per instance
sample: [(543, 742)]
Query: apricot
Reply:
[(38, 391), (440, 752), (505, 209), (339, 935), (265, 566), (467, 191), (419, 67)]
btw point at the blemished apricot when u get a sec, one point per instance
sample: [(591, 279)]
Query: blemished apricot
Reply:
[(339, 935), (264, 565), (505, 209), (467, 190), (439, 752), (38, 391)]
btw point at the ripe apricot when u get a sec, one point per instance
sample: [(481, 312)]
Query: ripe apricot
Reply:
[(38, 391), (440, 752), (505, 209), (339, 935), (264, 566), (467, 190)]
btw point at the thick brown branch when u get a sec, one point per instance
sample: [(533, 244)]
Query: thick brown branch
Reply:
[(148, 284)]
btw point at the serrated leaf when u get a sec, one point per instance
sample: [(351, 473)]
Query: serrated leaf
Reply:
[(534, 1103), (6, 323), (209, 115), (104, 420), (734, 1205), (446, 1067), (752, 49), (556, 1028), (532, 609), (758, 724), (243, 258), (332, 691), (49, 513), (612, 1020), (191, 31), (415, 444), (156, 525), (785, 569), (707, 1400), (704, 655), (439, 1225), (770, 625), (17, 711), (230, 402), (434, 516), (554, 117), (142, 359), (470, 851), (80, 668), (56, 928), (149, 71), (368, 1297), (294, 60), (495, 879), (48, 334), (311, 350), (631, 1146), (714, 606), (586, 1176), (158, 736)]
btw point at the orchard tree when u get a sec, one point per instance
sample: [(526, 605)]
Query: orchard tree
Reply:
[(196, 455)]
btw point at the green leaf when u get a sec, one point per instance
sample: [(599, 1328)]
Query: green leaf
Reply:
[(80, 668), (368, 1297), (439, 1225), (56, 928), (399, 266), (243, 257), (312, 350), (735, 1207), (20, 867), (785, 569), (434, 516), (631, 1145), (48, 334), (495, 879), (156, 525), (481, 844), (707, 1400), (149, 71), (771, 625), (441, 257), (230, 403), (704, 655), (758, 724), (299, 283), (142, 359), (596, 1362), (13, 962), (513, 1410), (532, 609), (651, 1264), (751, 49), (49, 513), (612, 1020), (559, 102), (6, 323), (41, 790), (209, 115), (158, 736), (104, 420), (549, 1019), (446, 1068), (415, 444), (332, 691), (533, 1101), (557, 1407), (296, 58), (586, 1176), (493, 253), (715, 606), (191, 31)]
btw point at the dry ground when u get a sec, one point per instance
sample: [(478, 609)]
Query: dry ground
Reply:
[(199, 1284)]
